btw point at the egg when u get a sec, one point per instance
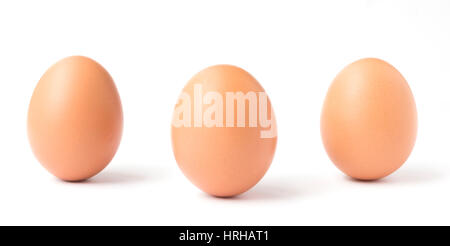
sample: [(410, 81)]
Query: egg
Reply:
[(75, 119), (369, 120), (224, 131)]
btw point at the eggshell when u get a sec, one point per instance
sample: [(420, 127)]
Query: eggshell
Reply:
[(75, 119), (223, 160), (369, 120)]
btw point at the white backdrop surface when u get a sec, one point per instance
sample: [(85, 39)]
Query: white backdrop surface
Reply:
[(294, 49)]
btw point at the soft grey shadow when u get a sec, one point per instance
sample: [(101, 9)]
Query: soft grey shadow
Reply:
[(124, 175), (407, 175), (290, 188), (280, 189), (118, 177)]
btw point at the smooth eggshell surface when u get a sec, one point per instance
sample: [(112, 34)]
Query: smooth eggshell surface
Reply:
[(75, 119), (369, 120), (223, 161)]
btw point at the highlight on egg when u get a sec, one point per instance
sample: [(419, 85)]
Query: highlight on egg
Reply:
[(369, 120), (224, 131), (75, 119)]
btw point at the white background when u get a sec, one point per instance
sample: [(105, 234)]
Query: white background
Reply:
[(294, 49)]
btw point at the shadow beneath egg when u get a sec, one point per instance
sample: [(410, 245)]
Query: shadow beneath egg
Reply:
[(290, 188), (406, 175), (128, 175), (280, 189), (118, 177), (270, 191)]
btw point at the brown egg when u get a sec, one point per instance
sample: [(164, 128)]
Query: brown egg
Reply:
[(369, 120), (75, 119), (224, 131)]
